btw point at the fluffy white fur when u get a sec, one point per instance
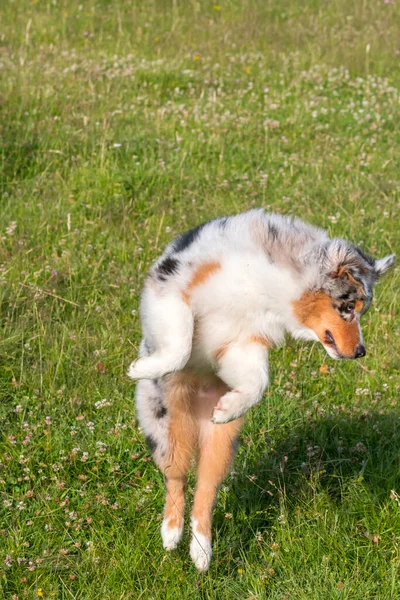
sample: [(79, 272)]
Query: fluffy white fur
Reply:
[(200, 548), (171, 536)]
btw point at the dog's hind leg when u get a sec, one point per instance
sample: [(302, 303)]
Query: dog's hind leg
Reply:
[(167, 323), (217, 447), (182, 441), (165, 415)]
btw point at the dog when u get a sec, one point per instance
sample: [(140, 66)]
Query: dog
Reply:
[(219, 298)]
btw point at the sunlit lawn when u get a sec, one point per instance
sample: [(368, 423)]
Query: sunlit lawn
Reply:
[(123, 124)]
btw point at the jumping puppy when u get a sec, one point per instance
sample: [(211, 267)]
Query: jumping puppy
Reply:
[(213, 305)]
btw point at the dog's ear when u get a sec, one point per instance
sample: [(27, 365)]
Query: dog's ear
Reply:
[(384, 264), (352, 272), (346, 262), (342, 271)]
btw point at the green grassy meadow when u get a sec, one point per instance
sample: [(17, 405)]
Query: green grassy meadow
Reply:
[(122, 124)]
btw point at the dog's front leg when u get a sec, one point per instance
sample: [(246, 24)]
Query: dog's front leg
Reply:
[(244, 368), (168, 323)]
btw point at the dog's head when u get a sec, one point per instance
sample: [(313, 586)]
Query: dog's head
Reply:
[(333, 310)]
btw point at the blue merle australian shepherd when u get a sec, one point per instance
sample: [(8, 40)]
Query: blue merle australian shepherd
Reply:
[(213, 305)]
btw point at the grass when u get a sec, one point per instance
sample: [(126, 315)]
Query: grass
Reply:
[(123, 124)]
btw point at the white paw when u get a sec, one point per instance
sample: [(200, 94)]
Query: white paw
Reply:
[(229, 407), (200, 551), (149, 367), (143, 368), (171, 536), (134, 370)]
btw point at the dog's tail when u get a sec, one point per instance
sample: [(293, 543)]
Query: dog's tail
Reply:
[(165, 415)]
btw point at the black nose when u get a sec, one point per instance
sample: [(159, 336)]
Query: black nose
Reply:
[(360, 351)]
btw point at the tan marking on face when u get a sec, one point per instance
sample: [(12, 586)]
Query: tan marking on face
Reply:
[(262, 341), (315, 311), (200, 276), (359, 305)]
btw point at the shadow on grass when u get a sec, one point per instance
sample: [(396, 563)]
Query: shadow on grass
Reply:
[(327, 454)]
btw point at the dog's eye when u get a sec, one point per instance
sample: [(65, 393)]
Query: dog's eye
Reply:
[(348, 308)]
